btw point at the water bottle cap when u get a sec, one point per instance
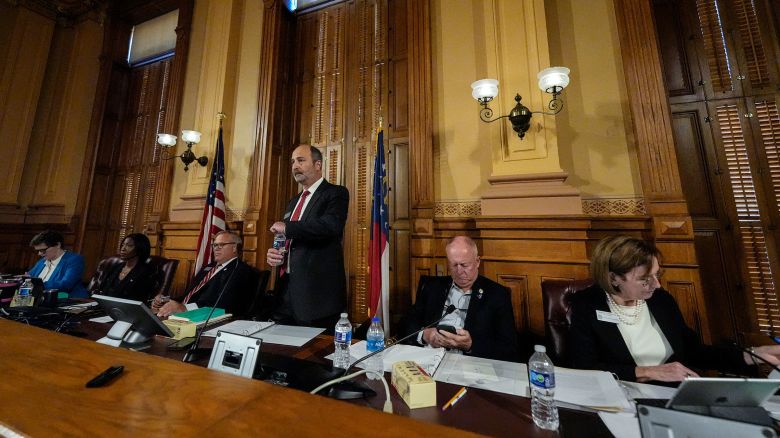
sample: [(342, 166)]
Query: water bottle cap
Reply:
[(344, 315), (375, 319), (540, 349)]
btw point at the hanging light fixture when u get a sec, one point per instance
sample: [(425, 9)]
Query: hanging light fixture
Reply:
[(187, 157), (552, 80)]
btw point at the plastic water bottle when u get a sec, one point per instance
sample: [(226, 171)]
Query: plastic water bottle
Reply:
[(541, 373), (375, 340), (342, 339), (24, 296), (26, 288), (279, 240)]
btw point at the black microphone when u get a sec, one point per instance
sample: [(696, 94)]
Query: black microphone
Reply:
[(755, 356), (194, 352), (451, 308)]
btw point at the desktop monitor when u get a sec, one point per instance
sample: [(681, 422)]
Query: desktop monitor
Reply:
[(135, 323)]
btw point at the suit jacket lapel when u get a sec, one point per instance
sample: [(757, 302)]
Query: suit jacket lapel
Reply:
[(315, 199), (663, 317), (611, 331), (438, 300), (475, 304)]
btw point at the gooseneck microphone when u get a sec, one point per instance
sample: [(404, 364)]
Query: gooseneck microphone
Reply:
[(192, 354), (451, 308), (350, 389)]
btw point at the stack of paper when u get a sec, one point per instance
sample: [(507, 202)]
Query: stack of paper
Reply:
[(427, 358)]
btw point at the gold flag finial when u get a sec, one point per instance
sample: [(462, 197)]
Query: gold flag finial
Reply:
[(221, 116)]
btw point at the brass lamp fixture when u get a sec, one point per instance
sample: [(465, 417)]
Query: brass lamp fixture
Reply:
[(187, 157), (552, 80)]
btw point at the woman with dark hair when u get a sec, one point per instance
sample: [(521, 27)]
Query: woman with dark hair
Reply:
[(628, 325), (132, 279)]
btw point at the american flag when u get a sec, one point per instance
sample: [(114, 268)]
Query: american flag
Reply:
[(214, 211), (379, 244)]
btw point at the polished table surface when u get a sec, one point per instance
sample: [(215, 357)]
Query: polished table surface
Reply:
[(44, 374)]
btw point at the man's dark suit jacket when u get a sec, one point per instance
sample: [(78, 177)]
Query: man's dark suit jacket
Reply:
[(490, 319), (598, 345), (137, 285), (239, 293), (317, 286)]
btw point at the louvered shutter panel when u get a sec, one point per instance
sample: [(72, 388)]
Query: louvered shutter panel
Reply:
[(714, 45), (761, 283)]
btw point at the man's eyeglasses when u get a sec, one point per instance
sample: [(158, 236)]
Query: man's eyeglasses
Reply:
[(41, 251), (220, 245)]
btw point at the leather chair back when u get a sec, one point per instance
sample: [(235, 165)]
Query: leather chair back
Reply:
[(556, 298), (166, 269), (105, 265)]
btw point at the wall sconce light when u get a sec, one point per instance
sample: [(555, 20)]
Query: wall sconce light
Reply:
[(187, 157), (551, 80)]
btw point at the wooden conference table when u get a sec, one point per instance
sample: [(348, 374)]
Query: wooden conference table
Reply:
[(42, 378)]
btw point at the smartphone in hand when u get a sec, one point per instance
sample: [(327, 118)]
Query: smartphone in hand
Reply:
[(447, 328)]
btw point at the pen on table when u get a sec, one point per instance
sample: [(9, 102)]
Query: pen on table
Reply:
[(458, 395)]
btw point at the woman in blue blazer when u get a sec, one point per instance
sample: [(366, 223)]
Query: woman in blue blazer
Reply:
[(68, 267)]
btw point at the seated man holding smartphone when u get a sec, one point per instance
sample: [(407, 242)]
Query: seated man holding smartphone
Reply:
[(482, 324)]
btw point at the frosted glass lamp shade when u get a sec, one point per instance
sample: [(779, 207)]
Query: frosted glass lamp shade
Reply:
[(484, 90), (190, 137), (166, 140), (553, 79)]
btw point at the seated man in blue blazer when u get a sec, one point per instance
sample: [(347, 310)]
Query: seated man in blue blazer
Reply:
[(59, 269), (484, 322)]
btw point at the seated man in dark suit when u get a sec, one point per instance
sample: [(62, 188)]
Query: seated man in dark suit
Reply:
[(483, 319), (229, 273)]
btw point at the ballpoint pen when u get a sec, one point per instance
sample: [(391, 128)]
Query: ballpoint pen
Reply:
[(458, 395)]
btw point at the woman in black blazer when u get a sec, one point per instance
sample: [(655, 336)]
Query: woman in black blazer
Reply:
[(628, 325), (132, 279)]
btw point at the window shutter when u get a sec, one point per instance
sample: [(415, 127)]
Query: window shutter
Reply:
[(714, 45), (755, 58), (761, 283)]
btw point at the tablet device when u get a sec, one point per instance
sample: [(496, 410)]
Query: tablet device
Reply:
[(729, 392)]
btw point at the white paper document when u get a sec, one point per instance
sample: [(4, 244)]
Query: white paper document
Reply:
[(427, 358), (593, 389), (288, 334), (240, 327), (102, 319), (489, 374)]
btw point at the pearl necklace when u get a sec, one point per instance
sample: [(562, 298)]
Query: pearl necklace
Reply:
[(625, 318)]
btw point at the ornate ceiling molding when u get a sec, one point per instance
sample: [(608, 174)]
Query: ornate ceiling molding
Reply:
[(66, 12)]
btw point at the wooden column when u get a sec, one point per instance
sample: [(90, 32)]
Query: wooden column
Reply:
[(420, 119), (162, 192), (25, 57), (660, 175), (269, 158)]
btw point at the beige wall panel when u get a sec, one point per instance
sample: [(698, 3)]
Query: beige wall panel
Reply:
[(59, 141), (25, 39), (592, 140)]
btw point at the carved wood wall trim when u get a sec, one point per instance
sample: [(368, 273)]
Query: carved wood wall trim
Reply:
[(649, 106), (269, 169), (420, 109)]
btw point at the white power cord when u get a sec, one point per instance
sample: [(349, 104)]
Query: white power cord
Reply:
[(388, 406)]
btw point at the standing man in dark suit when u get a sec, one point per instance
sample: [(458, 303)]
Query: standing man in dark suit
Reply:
[(311, 281), (228, 272), (483, 319)]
